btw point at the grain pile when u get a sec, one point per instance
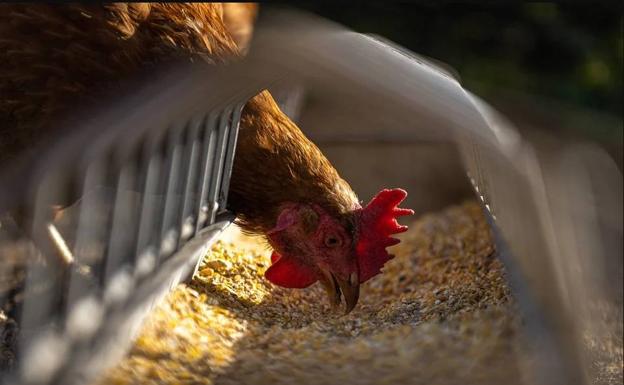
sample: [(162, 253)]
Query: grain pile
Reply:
[(440, 314)]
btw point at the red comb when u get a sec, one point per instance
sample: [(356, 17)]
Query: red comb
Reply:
[(377, 222)]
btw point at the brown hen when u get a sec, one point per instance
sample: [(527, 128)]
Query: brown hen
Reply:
[(282, 187)]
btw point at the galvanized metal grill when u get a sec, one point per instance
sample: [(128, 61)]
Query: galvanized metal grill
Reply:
[(150, 198)]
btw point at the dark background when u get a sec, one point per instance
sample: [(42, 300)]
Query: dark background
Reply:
[(542, 64)]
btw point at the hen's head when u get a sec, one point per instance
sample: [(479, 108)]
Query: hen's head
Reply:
[(311, 245)]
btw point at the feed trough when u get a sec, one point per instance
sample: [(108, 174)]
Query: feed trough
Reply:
[(152, 176)]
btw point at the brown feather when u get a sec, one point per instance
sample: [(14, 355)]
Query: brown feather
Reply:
[(52, 56), (292, 169)]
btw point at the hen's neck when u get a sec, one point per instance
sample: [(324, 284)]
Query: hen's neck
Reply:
[(275, 163)]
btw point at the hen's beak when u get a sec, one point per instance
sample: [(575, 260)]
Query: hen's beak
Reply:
[(335, 285)]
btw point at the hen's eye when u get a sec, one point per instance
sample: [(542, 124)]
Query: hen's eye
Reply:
[(332, 241)]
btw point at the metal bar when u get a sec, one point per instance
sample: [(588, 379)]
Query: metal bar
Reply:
[(43, 292), (188, 218), (145, 251), (209, 145), (229, 156), (120, 250), (217, 170), (169, 232)]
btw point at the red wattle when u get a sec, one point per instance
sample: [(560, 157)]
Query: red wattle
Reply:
[(289, 272)]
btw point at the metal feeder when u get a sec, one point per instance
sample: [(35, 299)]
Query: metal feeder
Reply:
[(153, 170)]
